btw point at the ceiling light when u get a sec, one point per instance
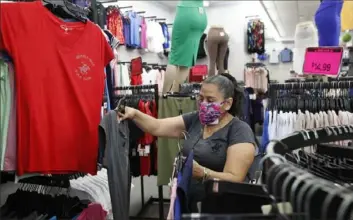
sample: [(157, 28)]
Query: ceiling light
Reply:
[(206, 3)]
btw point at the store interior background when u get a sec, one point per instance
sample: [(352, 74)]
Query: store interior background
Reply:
[(280, 19)]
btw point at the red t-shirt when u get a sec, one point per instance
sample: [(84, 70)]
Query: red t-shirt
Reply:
[(59, 70)]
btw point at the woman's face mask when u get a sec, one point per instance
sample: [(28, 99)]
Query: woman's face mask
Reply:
[(210, 112)]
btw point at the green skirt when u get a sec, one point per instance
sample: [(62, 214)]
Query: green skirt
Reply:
[(188, 27)]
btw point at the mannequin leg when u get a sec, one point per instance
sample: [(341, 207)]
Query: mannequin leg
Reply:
[(212, 48), (222, 51), (226, 59), (174, 76)]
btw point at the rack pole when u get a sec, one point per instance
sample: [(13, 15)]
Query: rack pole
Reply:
[(94, 11), (161, 202), (142, 191)]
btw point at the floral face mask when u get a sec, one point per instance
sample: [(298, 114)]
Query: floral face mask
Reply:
[(209, 112)]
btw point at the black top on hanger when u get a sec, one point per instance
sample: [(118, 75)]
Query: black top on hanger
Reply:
[(65, 9)]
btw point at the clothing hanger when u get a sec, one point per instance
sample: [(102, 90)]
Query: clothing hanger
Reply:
[(345, 209), (329, 199)]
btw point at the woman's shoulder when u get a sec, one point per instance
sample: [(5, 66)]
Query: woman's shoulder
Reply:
[(190, 119), (237, 125)]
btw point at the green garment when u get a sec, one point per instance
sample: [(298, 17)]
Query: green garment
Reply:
[(189, 24), (188, 3), (168, 147), (5, 105)]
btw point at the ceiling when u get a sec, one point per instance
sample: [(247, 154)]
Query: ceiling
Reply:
[(287, 14), (284, 14)]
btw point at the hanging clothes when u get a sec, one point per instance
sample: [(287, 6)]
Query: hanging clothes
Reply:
[(155, 37), (150, 77), (256, 78), (143, 33), (5, 102), (114, 136), (160, 80), (165, 31), (286, 55), (135, 22), (115, 23), (127, 30), (121, 75), (52, 144), (136, 71), (256, 36), (10, 159), (170, 107), (282, 120)]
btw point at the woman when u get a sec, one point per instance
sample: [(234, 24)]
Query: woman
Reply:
[(223, 145)]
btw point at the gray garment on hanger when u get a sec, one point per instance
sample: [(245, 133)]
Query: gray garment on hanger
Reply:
[(116, 159)]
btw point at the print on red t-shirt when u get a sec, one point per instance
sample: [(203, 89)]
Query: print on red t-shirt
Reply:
[(59, 69)]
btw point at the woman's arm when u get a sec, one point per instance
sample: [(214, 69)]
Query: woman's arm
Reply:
[(166, 127), (239, 159)]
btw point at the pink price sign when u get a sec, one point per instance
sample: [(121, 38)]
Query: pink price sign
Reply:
[(323, 60)]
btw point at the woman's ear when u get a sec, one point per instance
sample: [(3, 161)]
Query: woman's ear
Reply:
[(229, 104)]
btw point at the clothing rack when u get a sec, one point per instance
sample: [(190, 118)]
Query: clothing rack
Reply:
[(299, 87), (324, 200), (310, 85), (125, 7), (135, 91), (254, 65)]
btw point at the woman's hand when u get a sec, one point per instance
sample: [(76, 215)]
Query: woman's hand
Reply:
[(197, 170), (128, 114)]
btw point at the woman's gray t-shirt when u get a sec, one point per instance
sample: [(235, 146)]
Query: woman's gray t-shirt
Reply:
[(212, 151)]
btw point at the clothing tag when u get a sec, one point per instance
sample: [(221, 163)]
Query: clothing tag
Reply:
[(252, 96), (200, 10), (221, 34), (133, 153), (139, 150), (147, 149), (140, 29), (105, 105)]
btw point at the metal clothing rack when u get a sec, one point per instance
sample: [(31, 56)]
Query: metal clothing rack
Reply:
[(135, 91), (314, 186), (344, 83)]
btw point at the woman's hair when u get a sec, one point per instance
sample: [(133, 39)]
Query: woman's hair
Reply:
[(228, 86)]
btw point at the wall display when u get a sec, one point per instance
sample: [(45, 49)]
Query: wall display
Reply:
[(323, 60), (286, 55), (188, 27), (256, 36), (274, 57)]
